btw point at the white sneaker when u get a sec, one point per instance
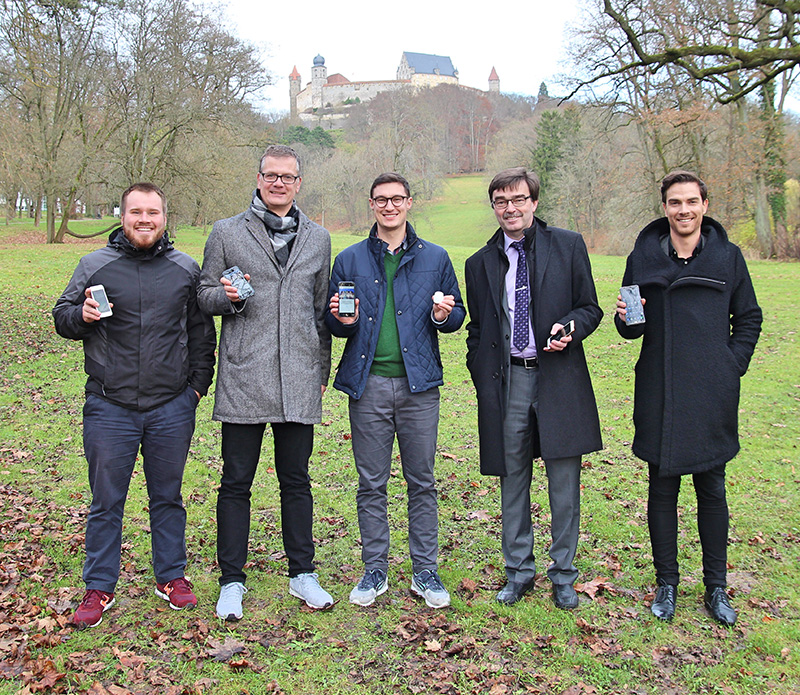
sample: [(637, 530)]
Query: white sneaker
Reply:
[(372, 585), (229, 605), (428, 585), (306, 587)]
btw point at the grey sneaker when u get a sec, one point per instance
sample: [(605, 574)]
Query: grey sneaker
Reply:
[(306, 587), (229, 605), (428, 585), (372, 585)]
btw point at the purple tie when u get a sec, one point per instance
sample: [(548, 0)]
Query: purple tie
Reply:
[(521, 321)]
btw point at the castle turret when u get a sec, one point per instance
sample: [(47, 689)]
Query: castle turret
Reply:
[(319, 78), (494, 82), (294, 90)]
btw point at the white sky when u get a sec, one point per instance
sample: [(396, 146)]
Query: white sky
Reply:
[(365, 40)]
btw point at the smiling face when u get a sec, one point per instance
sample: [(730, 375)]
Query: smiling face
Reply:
[(393, 217), (143, 220), (278, 196), (514, 220), (684, 208)]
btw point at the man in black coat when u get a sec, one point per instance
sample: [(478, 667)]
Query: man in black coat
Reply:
[(701, 326), (535, 398)]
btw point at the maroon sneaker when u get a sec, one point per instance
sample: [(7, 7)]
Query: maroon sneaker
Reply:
[(178, 592), (93, 605)]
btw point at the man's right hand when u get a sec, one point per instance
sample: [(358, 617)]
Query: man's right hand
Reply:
[(622, 306), (90, 311), (334, 307), (230, 291)]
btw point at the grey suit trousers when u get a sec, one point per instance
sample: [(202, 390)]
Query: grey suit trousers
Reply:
[(563, 477)]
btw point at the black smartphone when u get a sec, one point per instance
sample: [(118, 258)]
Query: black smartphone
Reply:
[(236, 276), (99, 295), (569, 329), (347, 299), (634, 311)]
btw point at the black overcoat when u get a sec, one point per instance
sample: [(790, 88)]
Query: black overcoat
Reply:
[(702, 325), (562, 289)]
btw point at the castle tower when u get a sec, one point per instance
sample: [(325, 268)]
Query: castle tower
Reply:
[(319, 78), (294, 90), (494, 82)]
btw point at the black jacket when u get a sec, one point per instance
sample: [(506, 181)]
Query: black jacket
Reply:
[(562, 289), (157, 342), (702, 325)]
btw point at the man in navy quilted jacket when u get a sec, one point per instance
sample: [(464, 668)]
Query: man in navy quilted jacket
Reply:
[(406, 292)]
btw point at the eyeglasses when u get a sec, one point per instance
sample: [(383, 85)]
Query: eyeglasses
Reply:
[(516, 201), (288, 179), (397, 200)]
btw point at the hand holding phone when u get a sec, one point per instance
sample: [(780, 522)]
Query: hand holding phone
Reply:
[(239, 281), (563, 332), (634, 310), (347, 299), (96, 306)]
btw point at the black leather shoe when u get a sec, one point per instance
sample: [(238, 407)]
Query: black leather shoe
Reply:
[(718, 604), (564, 597), (514, 591), (664, 603)]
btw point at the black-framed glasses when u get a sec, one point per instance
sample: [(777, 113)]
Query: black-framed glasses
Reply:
[(397, 200), (517, 201), (288, 179)]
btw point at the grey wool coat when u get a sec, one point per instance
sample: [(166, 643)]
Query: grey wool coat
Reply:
[(274, 350)]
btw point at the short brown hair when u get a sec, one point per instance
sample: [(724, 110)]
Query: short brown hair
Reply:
[(279, 151), (143, 187), (389, 177), (509, 178), (682, 176)]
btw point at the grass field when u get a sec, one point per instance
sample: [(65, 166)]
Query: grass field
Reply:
[(611, 644)]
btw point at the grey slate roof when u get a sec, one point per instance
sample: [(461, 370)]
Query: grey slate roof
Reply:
[(426, 64)]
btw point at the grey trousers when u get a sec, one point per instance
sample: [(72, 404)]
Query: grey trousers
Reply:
[(563, 476), (388, 408)]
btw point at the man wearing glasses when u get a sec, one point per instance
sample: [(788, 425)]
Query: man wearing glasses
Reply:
[(532, 302), (406, 292), (274, 363)]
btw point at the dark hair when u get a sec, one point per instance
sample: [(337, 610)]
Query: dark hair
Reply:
[(143, 187), (279, 151), (509, 178), (389, 177), (681, 176)]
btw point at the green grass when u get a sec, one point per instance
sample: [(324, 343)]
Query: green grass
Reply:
[(610, 645)]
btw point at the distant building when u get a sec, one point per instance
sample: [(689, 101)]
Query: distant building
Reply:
[(417, 70)]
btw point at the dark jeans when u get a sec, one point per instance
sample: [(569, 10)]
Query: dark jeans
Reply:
[(712, 525), (112, 436), (241, 448)]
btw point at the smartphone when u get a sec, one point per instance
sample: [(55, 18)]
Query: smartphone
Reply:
[(634, 311), (99, 295), (569, 329), (347, 299), (236, 276)]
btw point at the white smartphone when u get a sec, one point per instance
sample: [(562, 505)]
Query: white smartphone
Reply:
[(569, 329), (634, 311), (99, 295)]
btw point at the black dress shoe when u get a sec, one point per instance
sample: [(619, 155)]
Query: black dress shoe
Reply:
[(664, 603), (514, 591), (564, 597), (718, 604)]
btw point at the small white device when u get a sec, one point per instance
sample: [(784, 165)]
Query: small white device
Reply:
[(99, 295)]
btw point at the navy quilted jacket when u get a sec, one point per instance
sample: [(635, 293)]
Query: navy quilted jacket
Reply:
[(424, 269)]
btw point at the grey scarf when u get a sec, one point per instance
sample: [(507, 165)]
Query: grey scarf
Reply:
[(281, 230)]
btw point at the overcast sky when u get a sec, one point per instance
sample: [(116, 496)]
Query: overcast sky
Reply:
[(365, 40)]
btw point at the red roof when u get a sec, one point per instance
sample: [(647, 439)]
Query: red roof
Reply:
[(493, 75), (338, 78), (295, 75)]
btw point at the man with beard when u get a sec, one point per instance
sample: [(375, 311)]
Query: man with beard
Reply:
[(532, 302), (274, 363), (701, 326), (149, 363)]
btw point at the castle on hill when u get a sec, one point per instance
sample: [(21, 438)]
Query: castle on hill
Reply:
[(416, 70)]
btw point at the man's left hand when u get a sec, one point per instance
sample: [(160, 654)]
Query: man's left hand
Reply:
[(442, 310), (561, 343)]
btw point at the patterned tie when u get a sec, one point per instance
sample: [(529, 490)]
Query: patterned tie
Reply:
[(521, 321)]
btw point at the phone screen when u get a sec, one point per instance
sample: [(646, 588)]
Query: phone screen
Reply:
[(99, 295), (634, 311), (347, 300)]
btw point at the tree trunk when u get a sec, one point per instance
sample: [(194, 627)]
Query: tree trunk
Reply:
[(762, 218)]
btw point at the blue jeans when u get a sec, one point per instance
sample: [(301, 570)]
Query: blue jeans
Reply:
[(112, 438)]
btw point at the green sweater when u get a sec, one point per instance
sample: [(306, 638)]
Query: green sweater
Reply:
[(388, 359)]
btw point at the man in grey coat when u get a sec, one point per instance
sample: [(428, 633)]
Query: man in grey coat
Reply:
[(274, 363)]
